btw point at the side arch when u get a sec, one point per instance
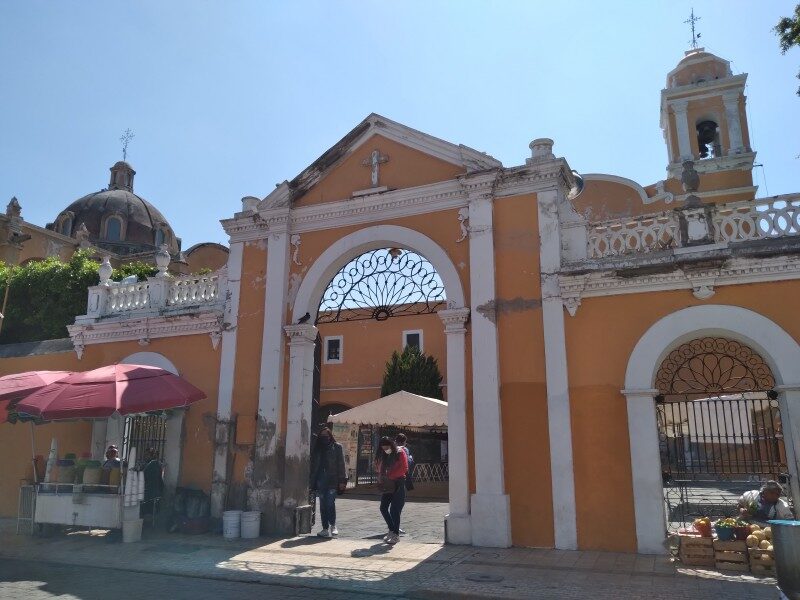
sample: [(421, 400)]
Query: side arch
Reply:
[(150, 359), (349, 247), (778, 349)]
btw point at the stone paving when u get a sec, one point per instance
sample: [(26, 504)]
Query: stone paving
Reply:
[(359, 517), (364, 566)]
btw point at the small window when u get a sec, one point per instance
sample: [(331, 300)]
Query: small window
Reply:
[(114, 229), (413, 338), (333, 349), (159, 237)]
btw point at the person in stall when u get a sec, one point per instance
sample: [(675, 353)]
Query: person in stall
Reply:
[(765, 504), (153, 482), (112, 458)]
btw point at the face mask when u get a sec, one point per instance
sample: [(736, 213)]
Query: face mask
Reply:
[(387, 450)]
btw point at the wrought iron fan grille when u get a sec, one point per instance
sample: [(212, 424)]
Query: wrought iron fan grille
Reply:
[(383, 283), (713, 367)]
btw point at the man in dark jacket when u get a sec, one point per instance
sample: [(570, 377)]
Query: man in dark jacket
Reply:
[(328, 477)]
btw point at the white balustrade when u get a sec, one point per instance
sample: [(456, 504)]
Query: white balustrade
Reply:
[(194, 290), (126, 297), (744, 221), (633, 235), (117, 298)]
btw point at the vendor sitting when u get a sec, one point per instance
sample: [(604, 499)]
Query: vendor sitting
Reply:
[(112, 458), (765, 504)]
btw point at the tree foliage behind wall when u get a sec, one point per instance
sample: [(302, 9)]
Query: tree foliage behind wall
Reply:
[(788, 30), (45, 296), (412, 371)]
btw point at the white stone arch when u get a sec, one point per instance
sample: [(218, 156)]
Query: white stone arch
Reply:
[(351, 246), (150, 359), (173, 449), (778, 349), (301, 361)]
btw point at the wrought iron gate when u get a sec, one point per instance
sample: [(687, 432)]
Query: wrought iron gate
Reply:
[(145, 432), (720, 429)]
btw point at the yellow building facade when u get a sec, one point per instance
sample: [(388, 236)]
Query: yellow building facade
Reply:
[(576, 310)]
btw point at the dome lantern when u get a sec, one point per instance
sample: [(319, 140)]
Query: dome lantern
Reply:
[(121, 177)]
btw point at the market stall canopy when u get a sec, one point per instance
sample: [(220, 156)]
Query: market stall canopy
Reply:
[(123, 389), (400, 408), (14, 388)]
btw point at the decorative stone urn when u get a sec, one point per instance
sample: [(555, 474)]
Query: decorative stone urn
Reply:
[(162, 261), (105, 271)]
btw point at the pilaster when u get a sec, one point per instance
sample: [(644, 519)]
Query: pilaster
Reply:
[(491, 522), (458, 527)]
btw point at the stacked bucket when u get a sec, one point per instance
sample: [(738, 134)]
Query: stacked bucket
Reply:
[(244, 524)]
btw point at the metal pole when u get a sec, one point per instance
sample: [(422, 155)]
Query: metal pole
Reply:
[(5, 300)]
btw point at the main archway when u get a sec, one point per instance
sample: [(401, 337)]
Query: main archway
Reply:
[(780, 352), (303, 337)]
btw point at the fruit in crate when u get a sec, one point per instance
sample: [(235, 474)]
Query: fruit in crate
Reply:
[(760, 535), (768, 532), (752, 541), (764, 544), (754, 528)]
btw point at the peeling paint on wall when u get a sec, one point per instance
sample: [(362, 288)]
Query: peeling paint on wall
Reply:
[(491, 309)]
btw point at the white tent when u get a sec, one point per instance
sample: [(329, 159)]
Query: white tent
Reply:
[(400, 408)]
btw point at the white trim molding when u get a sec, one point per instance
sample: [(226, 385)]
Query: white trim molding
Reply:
[(700, 280), (419, 332), (778, 349), (325, 357)]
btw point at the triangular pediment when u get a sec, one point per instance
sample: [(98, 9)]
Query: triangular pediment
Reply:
[(405, 158)]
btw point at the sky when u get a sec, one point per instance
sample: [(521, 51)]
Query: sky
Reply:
[(228, 98)]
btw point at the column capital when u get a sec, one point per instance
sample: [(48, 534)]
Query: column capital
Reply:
[(454, 319), (302, 334), (731, 96)]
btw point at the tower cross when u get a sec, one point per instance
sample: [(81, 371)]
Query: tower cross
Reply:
[(126, 139), (374, 161), (691, 21)]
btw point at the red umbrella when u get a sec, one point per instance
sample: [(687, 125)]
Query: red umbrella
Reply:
[(14, 388), (123, 389)]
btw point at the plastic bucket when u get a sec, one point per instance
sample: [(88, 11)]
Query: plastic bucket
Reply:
[(231, 524), (91, 475), (251, 524), (786, 541), (132, 531)]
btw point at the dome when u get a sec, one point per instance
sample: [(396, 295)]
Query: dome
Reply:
[(698, 66), (117, 219)]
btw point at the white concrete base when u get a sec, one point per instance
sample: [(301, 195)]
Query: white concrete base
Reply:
[(458, 529), (491, 520)]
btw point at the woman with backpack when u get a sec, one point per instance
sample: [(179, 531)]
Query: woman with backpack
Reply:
[(391, 464)]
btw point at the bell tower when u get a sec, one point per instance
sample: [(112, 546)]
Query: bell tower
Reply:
[(703, 117)]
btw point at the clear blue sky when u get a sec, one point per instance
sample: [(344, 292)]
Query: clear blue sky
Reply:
[(227, 98)]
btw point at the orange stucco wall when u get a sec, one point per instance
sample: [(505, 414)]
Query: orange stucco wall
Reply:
[(405, 168), (367, 347), (206, 256), (600, 339), (522, 374), (195, 359)]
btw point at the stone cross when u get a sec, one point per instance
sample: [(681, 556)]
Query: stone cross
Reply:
[(374, 161)]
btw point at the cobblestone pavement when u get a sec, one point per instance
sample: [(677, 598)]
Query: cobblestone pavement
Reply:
[(359, 517), (310, 567), (36, 581)]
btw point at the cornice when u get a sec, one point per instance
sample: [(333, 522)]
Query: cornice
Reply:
[(741, 162), (700, 279), (147, 328)]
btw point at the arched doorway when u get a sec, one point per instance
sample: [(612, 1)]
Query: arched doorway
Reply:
[(780, 353), (453, 315), (720, 428)]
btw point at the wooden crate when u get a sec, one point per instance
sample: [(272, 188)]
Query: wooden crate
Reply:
[(695, 551), (732, 546), (757, 564), (732, 561)]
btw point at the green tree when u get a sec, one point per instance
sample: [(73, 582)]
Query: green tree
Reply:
[(412, 371), (788, 30), (46, 295)]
